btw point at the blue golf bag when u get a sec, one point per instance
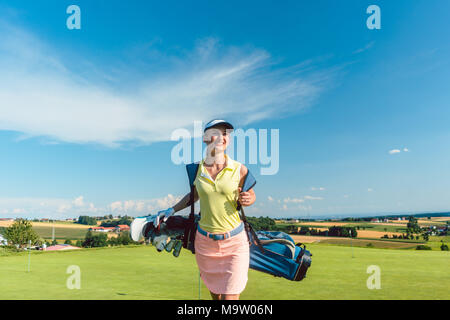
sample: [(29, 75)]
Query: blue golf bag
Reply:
[(280, 256), (271, 252)]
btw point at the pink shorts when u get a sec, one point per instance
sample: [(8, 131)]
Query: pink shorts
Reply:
[(223, 264)]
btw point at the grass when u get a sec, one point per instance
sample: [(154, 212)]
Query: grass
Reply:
[(139, 272)]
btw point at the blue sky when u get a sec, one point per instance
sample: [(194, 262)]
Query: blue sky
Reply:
[(87, 115)]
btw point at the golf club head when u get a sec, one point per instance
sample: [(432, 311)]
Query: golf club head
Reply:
[(160, 242), (177, 248), (170, 245)]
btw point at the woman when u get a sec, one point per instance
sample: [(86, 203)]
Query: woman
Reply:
[(223, 263)]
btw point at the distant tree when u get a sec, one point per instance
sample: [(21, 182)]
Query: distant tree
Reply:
[(423, 247), (54, 242), (79, 243), (68, 241), (113, 241), (95, 240), (86, 220), (124, 238), (337, 231), (125, 220), (268, 224), (413, 225), (444, 247), (20, 233), (304, 230)]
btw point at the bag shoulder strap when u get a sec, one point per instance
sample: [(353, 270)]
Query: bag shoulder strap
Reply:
[(189, 233), (249, 183), (192, 170)]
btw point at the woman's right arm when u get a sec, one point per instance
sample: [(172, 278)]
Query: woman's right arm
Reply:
[(185, 202)]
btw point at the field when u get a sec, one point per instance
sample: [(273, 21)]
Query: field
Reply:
[(139, 272), (63, 230), (373, 231), (358, 242)]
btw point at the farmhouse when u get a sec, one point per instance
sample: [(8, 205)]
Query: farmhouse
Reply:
[(122, 227), (102, 229)]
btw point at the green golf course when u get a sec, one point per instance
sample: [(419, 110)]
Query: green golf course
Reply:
[(140, 272)]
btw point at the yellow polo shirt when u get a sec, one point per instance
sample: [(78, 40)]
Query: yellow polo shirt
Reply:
[(218, 198)]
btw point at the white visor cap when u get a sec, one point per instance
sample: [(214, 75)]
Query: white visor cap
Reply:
[(216, 122)]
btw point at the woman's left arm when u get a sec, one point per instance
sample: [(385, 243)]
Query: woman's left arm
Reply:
[(245, 198)]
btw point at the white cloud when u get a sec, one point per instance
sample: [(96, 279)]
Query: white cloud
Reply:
[(167, 201), (133, 207), (92, 208), (238, 83), (78, 201), (129, 205), (116, 206), (395, 151), (293, 200), (270, 198), (369, 190), (62, 208), (313, 198), (317, 188), (140, 206), (365, 48)]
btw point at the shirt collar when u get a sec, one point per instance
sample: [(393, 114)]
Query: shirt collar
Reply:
[(229, 162), (204, 173)]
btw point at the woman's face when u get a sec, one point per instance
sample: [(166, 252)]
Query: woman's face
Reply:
[(217, 138)]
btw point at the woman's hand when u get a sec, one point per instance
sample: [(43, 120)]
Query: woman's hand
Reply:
[(246, 198), (164, 215)]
